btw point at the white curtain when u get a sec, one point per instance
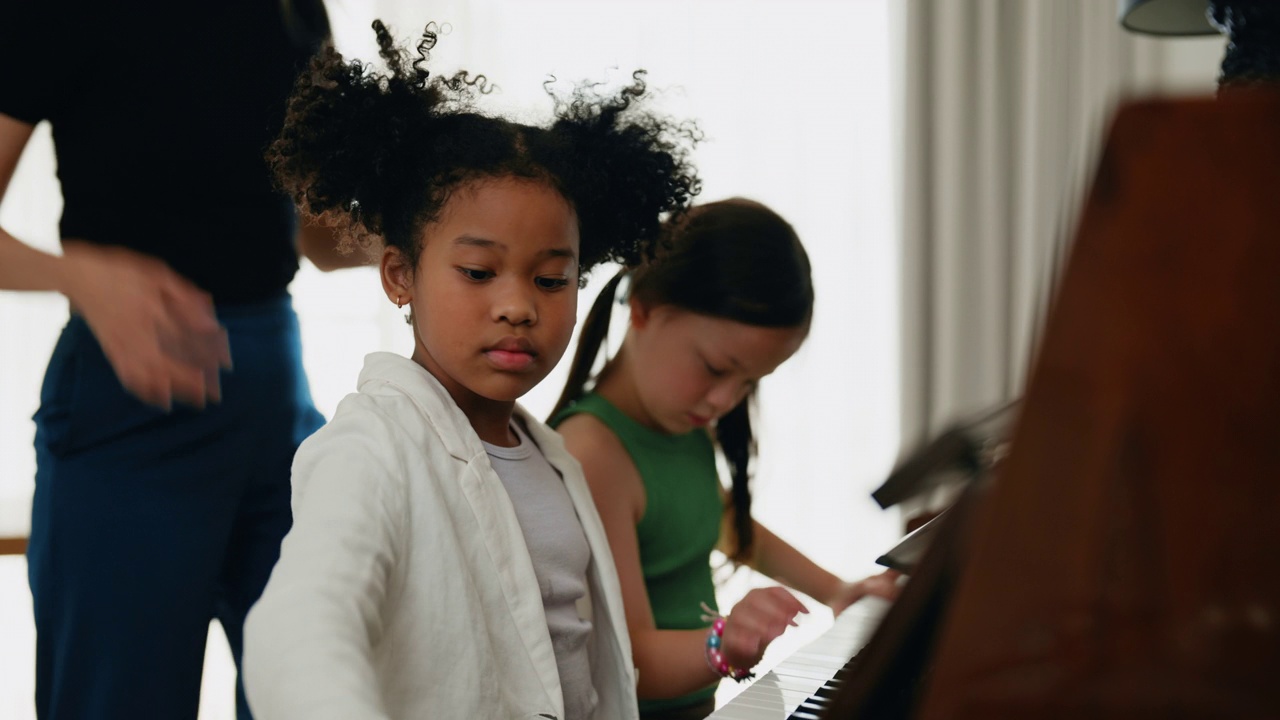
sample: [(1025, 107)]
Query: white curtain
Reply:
[(1005, 105)]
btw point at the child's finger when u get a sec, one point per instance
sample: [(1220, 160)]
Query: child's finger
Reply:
[(784, 602), (767, 612)]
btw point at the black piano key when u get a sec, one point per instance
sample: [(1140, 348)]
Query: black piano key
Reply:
[(828, 690), (814, 707)]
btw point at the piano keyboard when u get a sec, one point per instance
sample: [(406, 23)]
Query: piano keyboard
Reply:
[(797, 688)]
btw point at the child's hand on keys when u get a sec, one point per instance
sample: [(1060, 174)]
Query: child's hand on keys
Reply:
[(884, 585), (762, 615)]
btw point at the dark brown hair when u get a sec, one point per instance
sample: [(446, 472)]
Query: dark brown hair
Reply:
[(734, 259)]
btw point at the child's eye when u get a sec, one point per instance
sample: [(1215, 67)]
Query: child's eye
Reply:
[(474, 274), (551, 283), (715, 371)]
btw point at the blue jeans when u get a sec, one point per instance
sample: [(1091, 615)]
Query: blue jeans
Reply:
[(146, 525)]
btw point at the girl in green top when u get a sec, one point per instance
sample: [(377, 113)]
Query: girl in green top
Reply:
[(727, 300)]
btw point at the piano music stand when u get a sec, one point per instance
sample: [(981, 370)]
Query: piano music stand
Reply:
[(965, 447), (905, 555)]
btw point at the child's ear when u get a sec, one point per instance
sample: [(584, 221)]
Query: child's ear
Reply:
[(639, 313), (397, 276)]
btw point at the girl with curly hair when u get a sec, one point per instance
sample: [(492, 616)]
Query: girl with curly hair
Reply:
[(446, 559), (727, 300)]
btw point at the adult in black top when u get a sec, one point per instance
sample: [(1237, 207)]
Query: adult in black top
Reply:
[(150, 517)]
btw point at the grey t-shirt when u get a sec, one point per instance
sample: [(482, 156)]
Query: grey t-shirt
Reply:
[(560, 556)]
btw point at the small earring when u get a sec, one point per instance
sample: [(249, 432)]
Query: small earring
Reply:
[(398, 303)]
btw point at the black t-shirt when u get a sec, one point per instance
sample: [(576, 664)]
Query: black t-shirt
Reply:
[(161, 111)]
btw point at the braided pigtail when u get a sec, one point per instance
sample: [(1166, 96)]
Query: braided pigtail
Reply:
[(738, 447), (595, 330)]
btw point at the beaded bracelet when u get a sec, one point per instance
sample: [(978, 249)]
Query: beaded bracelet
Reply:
[(715, 657)]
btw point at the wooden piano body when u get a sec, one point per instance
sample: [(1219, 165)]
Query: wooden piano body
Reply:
[(1122, 563)]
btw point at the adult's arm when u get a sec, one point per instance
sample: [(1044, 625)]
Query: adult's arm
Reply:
[(157, 329), (22, 267)]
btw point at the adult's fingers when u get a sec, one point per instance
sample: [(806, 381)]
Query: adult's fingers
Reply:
[(149, 369), (213, 384), (147, 382), (188, 383), (204, 350), (158, 330), (194, 341), (191, 329)]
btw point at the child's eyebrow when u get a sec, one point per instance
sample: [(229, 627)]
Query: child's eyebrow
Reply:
[(561, 252), (725, 358), (478, 242), (473, 241)]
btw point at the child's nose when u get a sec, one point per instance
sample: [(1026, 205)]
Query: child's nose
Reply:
[(723, 397), (515, 305)]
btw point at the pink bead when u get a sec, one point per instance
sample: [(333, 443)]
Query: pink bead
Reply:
[(718, 626), (716, 657), (723, 668)]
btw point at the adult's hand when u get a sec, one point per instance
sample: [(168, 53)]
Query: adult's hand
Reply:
[(157, 329)]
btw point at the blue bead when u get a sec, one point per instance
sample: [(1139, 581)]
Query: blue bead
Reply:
[(713, 641)]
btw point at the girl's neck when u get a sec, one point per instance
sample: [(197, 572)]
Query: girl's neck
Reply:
[(491, 419), (492, 424), (617, 385)]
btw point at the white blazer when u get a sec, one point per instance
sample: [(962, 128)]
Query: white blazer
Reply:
[(405, 588)]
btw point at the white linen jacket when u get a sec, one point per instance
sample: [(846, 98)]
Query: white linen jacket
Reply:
[(405, 588)]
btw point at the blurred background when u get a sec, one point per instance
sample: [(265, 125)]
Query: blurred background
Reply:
[(932, 155)]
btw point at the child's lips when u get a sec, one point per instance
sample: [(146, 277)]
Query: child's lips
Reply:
[(513, 360), (511, 353), (698, 420)]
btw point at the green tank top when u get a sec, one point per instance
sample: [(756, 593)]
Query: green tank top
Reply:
[(681, 522)]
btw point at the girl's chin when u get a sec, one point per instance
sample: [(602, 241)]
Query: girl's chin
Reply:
[(504, 391), (678, 426)]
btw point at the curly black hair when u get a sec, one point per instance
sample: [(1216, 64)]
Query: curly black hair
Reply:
[(379, 154)]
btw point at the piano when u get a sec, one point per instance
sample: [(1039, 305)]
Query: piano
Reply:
[(801, 686)]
